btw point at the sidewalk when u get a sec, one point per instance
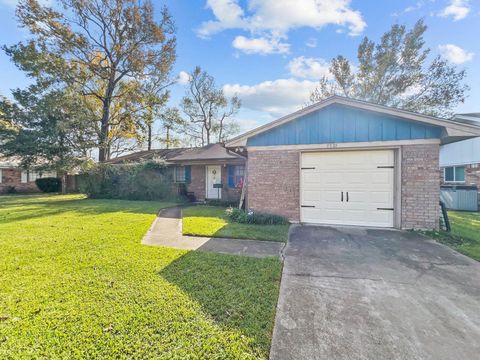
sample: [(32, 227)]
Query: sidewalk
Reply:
[(166, 230)]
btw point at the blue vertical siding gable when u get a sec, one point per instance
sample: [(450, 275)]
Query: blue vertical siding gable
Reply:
[(341, 123)]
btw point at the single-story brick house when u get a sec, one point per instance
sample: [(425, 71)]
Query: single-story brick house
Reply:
[(12, 176), (460, 161), (211, 172), (348, 162)]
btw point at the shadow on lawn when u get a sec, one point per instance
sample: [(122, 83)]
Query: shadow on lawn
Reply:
[(26, 207), (238, 293)]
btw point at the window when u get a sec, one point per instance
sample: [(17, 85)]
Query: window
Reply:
[(239, 174), (235, 175), (31, 176), (180, 174), (1, 176), (454, 174)]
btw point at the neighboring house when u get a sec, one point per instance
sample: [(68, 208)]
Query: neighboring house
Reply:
[(348, 162), (460, 161), (209, 172), (12, 176)]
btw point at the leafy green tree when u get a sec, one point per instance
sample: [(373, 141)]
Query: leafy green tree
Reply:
[(209, 113), (47, 131), (103, 50), (396, 72)]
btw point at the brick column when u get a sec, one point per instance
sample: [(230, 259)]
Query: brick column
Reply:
[(274, 182), (420, 186)]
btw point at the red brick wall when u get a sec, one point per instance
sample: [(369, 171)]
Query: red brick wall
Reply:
[(13, 177), (274, 182), (197, 185), (420, 187)]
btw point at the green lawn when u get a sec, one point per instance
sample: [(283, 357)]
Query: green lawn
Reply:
[(465, 234), (75, 282), (211, 221)]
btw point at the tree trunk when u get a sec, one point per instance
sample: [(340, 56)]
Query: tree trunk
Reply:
[(149, 140), (167, 139), (64, 182), (208, 136), (104, 150)]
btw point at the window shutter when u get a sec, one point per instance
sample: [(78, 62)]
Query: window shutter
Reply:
[(188, 174), (231, 175)]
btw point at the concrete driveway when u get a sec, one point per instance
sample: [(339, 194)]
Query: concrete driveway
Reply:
[(352, 293)]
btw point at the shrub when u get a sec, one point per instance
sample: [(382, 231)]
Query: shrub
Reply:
[(49, 184), (146, 181), (224, 203), (252, 217), (11, 190)]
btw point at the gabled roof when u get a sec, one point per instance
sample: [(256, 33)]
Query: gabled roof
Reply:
[(472, 118), (208, 152), (139, 156), (454, 131), (10, 162)]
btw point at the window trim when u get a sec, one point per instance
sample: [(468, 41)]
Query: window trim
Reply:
[(235, 176), (454, 181), (1, 176), (184, 174), (29, 176)]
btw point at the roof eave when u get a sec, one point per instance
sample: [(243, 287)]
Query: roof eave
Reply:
[(466, 130)]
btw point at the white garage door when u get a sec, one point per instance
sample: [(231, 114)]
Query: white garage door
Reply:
[(348, 187)]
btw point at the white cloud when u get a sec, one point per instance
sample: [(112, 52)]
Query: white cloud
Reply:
[(273, 19), (277, 97), (183, 78), (309, 68), (260, 45), (311, 43), (455, 54), (228, 14), (458, 9), (247, 124)]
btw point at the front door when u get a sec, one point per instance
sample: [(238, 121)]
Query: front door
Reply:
[(214, 176)]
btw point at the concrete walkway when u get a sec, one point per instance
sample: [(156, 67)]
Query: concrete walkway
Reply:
[(166, 230)]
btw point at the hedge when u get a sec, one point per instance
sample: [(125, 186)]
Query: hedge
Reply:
[(49, 184), (146, 181)]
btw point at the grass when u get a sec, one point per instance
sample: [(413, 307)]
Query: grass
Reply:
[(465, 234), (212, 221), (75, 282)]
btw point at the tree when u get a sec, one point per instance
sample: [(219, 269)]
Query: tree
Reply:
[(209, 113), (395, 73), (172, 124), (105, 50), (47, 131), (154, 96)]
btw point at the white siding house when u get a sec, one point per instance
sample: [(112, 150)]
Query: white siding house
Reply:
[(460, 161)]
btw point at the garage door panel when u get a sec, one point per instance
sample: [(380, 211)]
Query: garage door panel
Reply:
[(382, 177), (370, 199), (368, 178)]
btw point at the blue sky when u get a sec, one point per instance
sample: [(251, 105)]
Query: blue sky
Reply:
[(272, 52)]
